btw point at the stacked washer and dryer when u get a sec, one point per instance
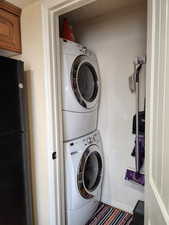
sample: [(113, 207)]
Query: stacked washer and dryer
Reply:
[(82, 141)]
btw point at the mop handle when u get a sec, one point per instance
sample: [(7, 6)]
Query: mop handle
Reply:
[(137, 69)]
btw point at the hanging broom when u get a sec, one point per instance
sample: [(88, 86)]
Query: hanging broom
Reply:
[(136, 175)]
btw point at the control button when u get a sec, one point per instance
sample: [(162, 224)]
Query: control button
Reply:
[(94, 138), (84, 50), (89, 140)]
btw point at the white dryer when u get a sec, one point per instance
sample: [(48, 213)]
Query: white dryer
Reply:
[(80, 89), (84, 175)]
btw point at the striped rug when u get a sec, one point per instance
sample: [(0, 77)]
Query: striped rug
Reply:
[(107, 215)]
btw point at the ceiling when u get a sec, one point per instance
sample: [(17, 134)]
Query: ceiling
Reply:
[(21, 3), (98, 8)]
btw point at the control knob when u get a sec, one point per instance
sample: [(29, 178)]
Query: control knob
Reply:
[(89, 140)]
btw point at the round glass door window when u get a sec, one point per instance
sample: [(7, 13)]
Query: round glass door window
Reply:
[(90, 171), (84, 81)]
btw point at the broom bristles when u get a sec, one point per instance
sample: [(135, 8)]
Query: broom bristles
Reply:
[(135, 177)]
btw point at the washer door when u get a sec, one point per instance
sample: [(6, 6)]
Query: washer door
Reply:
[(90, 172), (85, 82)]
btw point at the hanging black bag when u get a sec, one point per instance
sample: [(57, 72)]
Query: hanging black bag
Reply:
[(141, 119)]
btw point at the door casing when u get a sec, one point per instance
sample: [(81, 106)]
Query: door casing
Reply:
[(51, 10)]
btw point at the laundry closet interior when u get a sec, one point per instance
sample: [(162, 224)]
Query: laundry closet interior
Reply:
[(115, 31)]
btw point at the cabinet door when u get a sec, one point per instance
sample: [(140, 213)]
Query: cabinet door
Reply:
[(10, 37)]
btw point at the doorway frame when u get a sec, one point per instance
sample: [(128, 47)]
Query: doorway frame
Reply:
[(51, 10)]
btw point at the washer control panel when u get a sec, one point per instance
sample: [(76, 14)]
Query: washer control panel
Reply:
[(79, 145), (91, 139)]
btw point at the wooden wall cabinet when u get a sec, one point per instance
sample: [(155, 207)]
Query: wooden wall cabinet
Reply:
[(10, 34)]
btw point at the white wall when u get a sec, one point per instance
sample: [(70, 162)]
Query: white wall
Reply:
[(32, 48), (117, 39)]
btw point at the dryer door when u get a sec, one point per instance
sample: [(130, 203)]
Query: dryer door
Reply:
[(85, 81), (90, 172)]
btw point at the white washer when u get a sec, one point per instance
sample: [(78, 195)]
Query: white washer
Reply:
[(80, 89), (84, 175)]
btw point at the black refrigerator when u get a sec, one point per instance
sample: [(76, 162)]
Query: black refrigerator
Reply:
[(15, 174)]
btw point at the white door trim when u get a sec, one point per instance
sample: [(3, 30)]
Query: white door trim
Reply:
[(51, 9), (156, 211)]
